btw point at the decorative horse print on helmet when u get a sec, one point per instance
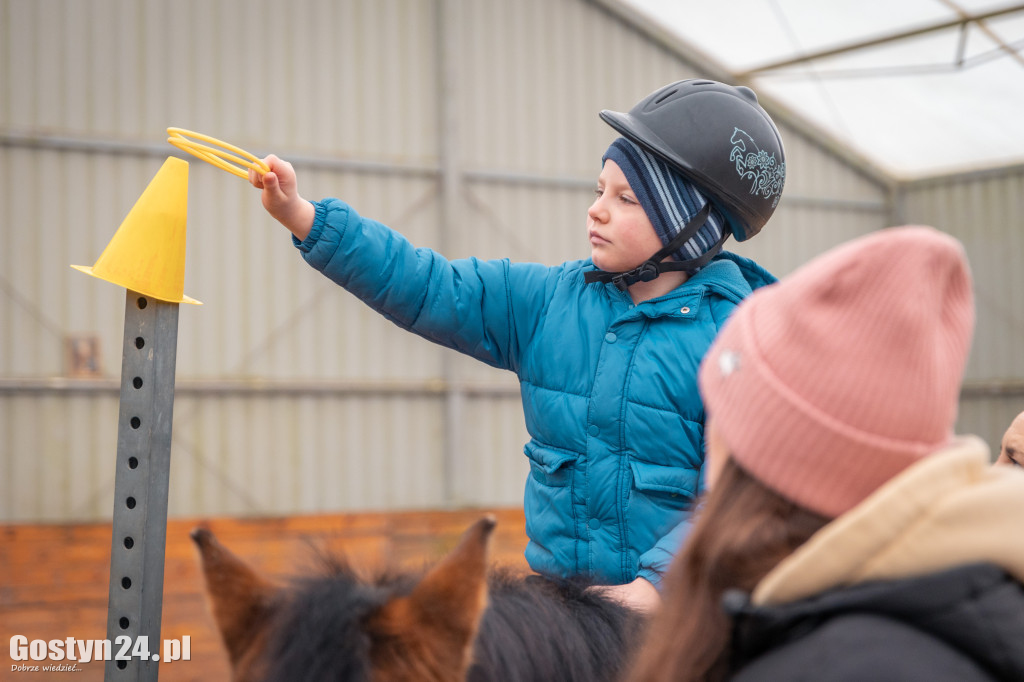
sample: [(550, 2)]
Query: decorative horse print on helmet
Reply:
[(767, 174), (455, 621)]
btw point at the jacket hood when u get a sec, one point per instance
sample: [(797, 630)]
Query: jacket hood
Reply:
[(951, 508), (730, 276), (753, 274)]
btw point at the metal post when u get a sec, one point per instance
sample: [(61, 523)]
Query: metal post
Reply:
[(451, 189), (140, 488)]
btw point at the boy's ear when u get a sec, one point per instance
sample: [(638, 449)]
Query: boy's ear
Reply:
[(239, 597), (428, 635)]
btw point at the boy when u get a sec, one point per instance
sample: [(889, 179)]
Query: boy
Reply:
[(606, 349)]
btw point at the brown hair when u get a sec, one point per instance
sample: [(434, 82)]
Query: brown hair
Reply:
[(743, 531)]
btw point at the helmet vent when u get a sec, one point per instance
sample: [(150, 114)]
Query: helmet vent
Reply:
[(665, 96)]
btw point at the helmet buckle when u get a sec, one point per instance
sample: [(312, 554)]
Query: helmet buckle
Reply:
[(647, 272)]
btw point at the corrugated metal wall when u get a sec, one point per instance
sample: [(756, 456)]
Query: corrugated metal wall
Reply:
[(469, 126), (985, 210)]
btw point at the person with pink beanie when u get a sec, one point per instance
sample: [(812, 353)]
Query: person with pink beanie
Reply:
[(847, 533)]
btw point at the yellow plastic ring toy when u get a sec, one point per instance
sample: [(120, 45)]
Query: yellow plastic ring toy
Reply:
[(222, 155)]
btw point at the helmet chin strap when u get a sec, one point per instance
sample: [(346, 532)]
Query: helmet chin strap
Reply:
[(655, 265)]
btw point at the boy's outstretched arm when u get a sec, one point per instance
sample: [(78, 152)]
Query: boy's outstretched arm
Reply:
[(281, 197)]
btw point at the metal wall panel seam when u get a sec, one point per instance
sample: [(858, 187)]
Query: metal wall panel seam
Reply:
[(257, 387), (25, 139)]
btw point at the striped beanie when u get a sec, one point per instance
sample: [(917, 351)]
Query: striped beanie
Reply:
[(668, 199), (832, 381)]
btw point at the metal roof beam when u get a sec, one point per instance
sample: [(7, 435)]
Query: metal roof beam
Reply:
[(881, 40), (984, 28)]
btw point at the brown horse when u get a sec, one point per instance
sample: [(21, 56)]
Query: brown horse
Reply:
[(457, 621)]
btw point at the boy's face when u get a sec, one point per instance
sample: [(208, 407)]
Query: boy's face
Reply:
[(621, 234)]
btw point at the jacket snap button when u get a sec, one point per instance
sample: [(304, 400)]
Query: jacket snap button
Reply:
[(594, 524), (684, 309), (610, 337), (593, 431)]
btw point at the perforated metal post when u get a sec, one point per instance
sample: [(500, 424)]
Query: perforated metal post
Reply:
[(141, 486)]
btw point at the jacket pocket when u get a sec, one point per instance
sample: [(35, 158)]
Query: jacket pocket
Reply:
[(672, 488), (548, 506), (549, 465)]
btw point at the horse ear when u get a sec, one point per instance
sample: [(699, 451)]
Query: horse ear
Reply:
[(429, 634), (239, 596)]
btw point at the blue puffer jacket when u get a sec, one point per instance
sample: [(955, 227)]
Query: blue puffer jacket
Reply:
[(609, 389)]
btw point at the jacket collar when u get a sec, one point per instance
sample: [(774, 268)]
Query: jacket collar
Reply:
[(730, 276)]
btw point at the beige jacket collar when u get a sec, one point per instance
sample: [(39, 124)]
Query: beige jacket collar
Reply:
[(951, 508)]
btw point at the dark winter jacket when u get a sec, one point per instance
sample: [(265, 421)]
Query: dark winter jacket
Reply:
[(965, 624)]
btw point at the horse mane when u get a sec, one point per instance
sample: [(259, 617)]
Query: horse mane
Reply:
[(534, 628), (337, 623), (315, 630), (537, 628)]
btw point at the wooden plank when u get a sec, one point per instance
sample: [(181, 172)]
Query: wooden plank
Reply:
[(53, 578)]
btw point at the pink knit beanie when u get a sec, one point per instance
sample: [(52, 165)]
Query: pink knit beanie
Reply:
[(832, 381)]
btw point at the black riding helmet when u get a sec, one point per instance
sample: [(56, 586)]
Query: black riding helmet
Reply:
[(720, 138)]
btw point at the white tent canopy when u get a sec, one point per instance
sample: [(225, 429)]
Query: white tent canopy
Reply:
[(918, 87)]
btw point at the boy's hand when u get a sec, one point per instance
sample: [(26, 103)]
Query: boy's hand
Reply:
[(281, 196), (639, 595)]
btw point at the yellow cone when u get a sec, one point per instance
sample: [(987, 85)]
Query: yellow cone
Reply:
[(147, 253)]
